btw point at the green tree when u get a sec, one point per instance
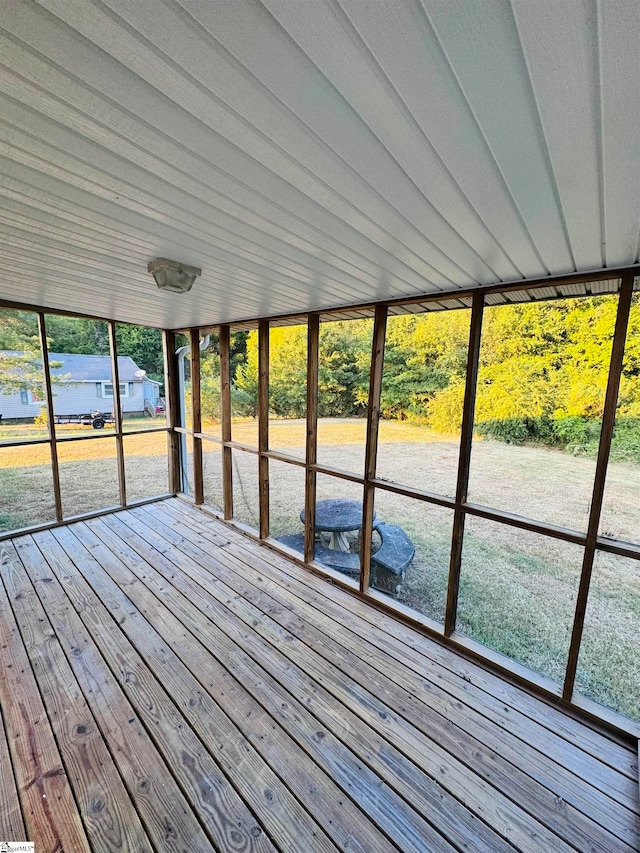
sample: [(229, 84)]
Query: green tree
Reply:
[(19, 331), (144, 345), (629, 396), (20, 355), (210, 381), (545, 359), (77, 335), (424, 355), (244, 385), (21, 371), (237, 351), (288, 371), (343, 371), (91, 337)]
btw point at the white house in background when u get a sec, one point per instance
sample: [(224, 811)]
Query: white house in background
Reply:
[(86, 386)]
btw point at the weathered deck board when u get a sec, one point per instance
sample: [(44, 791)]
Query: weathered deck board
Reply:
[(169, 821), (11, 823), (425, 793), (229, 700), (356, 779), (220, 810), (48, 807), (267, 594), (346, 824), (562, 818), (217, 731), (110, 819), (572, 744)]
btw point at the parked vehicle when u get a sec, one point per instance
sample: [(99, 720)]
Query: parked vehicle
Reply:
[(95, 419)]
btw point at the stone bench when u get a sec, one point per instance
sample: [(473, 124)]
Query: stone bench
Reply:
[(343, 561), (389, 563)]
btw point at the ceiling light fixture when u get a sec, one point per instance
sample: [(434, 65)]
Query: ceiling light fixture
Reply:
[(172, 275)]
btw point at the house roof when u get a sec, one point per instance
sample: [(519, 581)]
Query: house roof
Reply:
[(308, 155), (94, 368), (88, 368)]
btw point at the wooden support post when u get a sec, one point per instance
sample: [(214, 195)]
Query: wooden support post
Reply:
[(371, 452), (196, 418), (263, 425), (466, 438), (606, 435), (313, 345), (225, 425), (55, 469), (172, 405), (117, 412)]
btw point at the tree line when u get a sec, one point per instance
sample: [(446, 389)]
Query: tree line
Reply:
[(542, 377)]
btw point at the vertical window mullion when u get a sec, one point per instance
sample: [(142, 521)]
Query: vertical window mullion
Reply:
[(171, 405), (371, 451), (606, 434), (466, 438), (311, 452), (196, 418), (225, 420), (263, 425), (55, 468), (117, 412)]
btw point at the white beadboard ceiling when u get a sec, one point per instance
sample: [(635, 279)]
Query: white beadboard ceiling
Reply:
[(310, 154)]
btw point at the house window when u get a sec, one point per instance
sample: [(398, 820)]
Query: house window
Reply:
[(107, 389)]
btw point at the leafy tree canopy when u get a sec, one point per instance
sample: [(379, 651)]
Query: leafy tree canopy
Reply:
[(20, 356), (538, 360)]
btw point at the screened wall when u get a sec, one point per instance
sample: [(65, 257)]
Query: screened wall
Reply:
[(83, 426), (486, 444), (470, 463)]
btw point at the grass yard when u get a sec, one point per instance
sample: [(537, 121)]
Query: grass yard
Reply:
[(30, 432), (517, 591)]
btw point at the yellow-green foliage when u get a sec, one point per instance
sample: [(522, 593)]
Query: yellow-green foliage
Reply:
[(343, 372), (288, 370), (548, 358), (210, 383), (244, 388), (425, 359), (542, 360)]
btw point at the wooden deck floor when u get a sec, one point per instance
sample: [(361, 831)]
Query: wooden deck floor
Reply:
[(166, 684)]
